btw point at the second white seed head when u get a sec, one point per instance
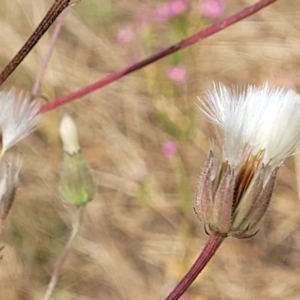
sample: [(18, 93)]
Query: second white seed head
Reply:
[(255, 119)]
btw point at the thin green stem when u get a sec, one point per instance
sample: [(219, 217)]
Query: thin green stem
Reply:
[(62, 258), (206, 254)]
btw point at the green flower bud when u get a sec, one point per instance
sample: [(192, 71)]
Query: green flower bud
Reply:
[(76, 182)]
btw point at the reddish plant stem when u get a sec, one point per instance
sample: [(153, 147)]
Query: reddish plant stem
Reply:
[(179, 46), (206, 254), (54, 11)]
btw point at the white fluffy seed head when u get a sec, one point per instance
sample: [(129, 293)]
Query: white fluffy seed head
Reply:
[(18, 116), (69, 135), (255, 119)]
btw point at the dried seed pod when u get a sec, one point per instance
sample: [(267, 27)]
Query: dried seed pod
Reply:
[(9, 171)]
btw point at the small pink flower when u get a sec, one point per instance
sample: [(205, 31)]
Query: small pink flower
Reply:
[(170, 10), (178, 7), (163, 13), (125, 35), (177, 73), (169, 149), (212, 8)]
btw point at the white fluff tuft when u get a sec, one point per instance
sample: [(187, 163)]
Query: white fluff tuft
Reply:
[(18, 117), (257, 118)]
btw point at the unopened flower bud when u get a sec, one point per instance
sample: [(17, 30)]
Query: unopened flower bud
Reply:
[(76, 182), (259, 128), (69, 135)]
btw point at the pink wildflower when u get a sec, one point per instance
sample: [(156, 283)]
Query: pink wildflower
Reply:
[(170, 10), (125, 35), (177, 73), (212, 9), (178, 7), (162, 13), (169, 149)]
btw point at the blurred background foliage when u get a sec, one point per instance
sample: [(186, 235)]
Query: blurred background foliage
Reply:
[(145, 141)]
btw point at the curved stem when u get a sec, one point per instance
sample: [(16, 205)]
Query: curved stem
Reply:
[(54, 11), (60, 261), (179, 46), (206, 254)]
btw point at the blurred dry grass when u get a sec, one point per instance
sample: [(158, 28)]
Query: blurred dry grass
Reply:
[(140, 234)]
